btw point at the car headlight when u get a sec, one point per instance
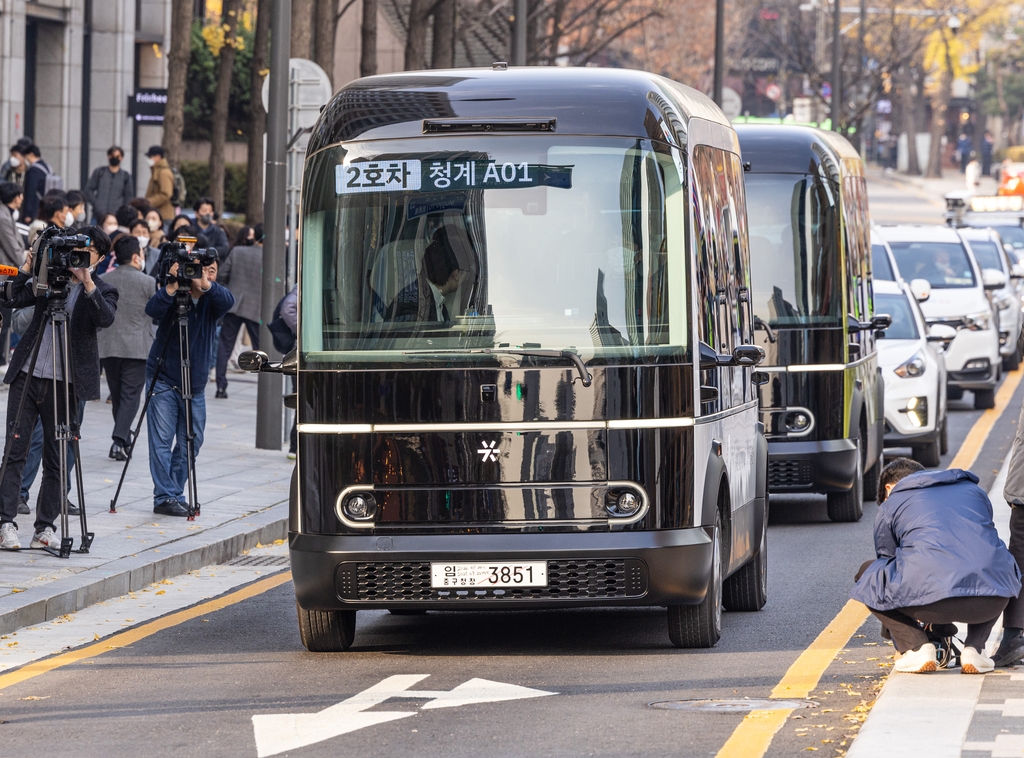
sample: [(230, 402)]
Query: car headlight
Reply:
[(915, 366), (917, 411), (978, 322), (1002, 303)]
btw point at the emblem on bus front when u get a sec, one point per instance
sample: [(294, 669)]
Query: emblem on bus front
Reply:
[(487, 452)]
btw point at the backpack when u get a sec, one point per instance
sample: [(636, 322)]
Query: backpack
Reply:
[(53, 181), (280, 332), (180, 190)]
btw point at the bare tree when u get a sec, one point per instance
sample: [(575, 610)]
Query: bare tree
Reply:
[(302, 28), (578, 31), (325, 32), (368, 39), (416, 35), (258, 124), (940, 107), (177, 72), (221, 97), (443, 54)]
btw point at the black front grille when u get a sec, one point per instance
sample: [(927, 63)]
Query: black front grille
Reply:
[(567, 579), (789, 474)]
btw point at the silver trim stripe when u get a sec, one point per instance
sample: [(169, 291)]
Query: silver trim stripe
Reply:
[(509, 426)]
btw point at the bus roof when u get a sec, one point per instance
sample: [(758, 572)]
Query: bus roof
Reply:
[(578, 101), (785, 149)]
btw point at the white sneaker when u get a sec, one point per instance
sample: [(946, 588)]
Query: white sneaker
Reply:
[(973, 662), (9, 537), (920, 661), (45, 538)]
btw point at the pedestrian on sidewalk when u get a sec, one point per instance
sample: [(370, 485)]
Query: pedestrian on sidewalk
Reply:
[(987, 144), (109, 187), (91, 305), (124, 345), (161, 183), (963, 151), (166, 420), (242, 273), (39, 181), (1011, 647), (940, 561)]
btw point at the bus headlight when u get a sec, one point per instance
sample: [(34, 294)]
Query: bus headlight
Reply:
[(797, 421), (915, 366), (360, 507), (623, 504)]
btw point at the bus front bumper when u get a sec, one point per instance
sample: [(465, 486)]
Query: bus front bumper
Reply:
[(665, 567), (819, 466)]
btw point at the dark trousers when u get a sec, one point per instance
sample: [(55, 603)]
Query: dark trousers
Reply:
[(5, 335), (1013, 616), (126, 378), (228, 334), (38, 405), (35, 455), (979, 613)]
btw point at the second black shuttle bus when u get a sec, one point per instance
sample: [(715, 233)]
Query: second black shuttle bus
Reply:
[(810, 252)]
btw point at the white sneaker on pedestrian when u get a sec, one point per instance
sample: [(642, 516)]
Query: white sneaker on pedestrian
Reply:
[(920, 661), (9, 537), (974, 662), (45, 538)]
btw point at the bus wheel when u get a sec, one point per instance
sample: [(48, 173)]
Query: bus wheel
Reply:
[(984, 399), (701, 625), (870, 487), (848, 505), (326, 631), (747, 589)]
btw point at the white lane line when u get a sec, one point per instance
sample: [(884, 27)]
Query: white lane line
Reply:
[(103, 619)]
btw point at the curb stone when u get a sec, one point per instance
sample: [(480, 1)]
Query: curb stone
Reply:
[(134, 572)]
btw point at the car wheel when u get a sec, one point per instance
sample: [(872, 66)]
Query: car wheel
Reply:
[(1011, 362), (984, 399), (849, 505), (944, 437), (326, 631), (701, 625), (927, 455), (747, 589), (954, 393)]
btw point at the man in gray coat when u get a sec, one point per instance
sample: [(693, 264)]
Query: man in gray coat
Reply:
[(242, 274), (1011, 647), (12, 246), (109, 187), (124, 346)]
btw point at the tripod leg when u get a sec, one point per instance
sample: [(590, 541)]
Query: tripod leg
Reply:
[(75, 432), (186, 396), (63, 432)]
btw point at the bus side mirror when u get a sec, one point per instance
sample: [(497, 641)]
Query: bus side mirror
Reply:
[(257, 361), (881, 322), (747, 356), (921, 289), (760, 378)]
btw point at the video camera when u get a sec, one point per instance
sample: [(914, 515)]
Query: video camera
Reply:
[(58, 254), (190, 262)]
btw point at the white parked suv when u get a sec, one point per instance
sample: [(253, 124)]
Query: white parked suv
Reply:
[(987, 247), (958, 299), (914, 371)]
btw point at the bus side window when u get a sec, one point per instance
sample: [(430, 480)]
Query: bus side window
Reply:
[(707, 236), (739, 265)]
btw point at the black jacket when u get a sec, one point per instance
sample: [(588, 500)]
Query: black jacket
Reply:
[(91, 312), (108, 190), (35, 186)]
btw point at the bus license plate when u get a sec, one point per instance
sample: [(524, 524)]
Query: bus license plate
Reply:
[(489, 575)]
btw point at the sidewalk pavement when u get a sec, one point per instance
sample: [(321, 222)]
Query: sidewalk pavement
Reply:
[(243, 492), (932, 189), (947, 714)]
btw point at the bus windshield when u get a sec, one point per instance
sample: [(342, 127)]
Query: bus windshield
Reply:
[(794, 250), (415, 251)]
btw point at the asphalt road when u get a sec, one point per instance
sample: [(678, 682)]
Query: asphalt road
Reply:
[(194, 688)]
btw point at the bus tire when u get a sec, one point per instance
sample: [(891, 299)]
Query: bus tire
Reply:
[(984, 399), (870, 487), (701, 625), (747, 589), (849, 505), (326, 631)]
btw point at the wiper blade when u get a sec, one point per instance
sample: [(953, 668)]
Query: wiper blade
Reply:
[(585, 376)]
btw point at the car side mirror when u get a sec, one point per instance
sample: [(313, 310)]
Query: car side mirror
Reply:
[(1017, 271), (943, 333), (993, 279), (921, 289)]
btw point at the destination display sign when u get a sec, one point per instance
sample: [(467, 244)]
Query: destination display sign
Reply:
[(444, 175)]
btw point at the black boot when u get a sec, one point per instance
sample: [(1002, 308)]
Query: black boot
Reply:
[(1011, 649)]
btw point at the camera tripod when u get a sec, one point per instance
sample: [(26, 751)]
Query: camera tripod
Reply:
[(66, 428), (182, 306)]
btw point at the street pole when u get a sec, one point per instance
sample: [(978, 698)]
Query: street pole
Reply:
[(719, 51), (269, 405), (837, 62), (519, 34)]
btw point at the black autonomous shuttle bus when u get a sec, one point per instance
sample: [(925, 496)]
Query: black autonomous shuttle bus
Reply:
[(810, 255), (525, 354)]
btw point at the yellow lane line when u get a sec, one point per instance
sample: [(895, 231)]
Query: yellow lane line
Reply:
[(130, 636), (753, 736), (975, 440)]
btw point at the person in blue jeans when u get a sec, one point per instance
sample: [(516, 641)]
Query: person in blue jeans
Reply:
[(166, 416)]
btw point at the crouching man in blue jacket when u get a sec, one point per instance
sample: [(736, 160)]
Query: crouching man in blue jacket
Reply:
[(939, 561)]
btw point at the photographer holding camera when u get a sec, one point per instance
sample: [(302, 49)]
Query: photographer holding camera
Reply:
[(91, 305), (207, 302)]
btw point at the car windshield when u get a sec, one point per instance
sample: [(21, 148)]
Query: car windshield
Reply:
[(880, 268), (904, 327), (794, 249), (451, 245), (944, 264), (1012, 235), (987, 254)]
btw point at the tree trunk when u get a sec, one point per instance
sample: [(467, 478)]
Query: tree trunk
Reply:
[(258, 124), (910, 123), (302, 28), (940, 106), (416, 36), (221, 97), (368, 34), (177, 72), (443, 55), (326, 31)]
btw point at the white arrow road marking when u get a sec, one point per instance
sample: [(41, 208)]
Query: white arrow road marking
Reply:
[(278, 733)]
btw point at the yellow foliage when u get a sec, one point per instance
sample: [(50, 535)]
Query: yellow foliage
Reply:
[(214, 37), (946, 50)]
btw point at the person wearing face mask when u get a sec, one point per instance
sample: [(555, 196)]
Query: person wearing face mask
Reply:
[(35, 183), (12, 249), (161, 183), (206, 213), (156, 228), (109, 224), (109, 187), (14, 168), (53, 210), (140, 231), (76, 207)]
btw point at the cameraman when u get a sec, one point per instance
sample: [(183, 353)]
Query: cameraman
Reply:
[(166, 421), (91, 304)]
